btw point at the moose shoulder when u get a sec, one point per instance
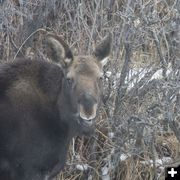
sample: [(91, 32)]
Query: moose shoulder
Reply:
[(43, 105)]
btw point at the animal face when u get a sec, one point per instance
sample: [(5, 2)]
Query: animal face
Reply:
[(82, 83)]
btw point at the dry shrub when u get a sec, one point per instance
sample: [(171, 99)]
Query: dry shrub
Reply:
[(140, 114)]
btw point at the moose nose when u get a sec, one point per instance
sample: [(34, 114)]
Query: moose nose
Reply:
[(87, 100), (88, 106)]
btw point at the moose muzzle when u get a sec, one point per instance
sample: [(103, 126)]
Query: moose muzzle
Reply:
[(87, 108)]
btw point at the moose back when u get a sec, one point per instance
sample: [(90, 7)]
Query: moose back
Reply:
[(43, 104)]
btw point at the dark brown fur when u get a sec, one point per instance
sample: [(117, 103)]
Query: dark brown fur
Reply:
[(43, 105)]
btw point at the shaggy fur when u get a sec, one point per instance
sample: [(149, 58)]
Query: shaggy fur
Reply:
[(39, 111)]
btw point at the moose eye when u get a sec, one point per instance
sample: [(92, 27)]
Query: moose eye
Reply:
[(69, 81), (100, 78)]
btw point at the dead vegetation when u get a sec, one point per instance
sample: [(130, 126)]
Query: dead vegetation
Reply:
[(138, 130)]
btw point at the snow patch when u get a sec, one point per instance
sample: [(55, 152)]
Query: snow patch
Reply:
[(158, 162), (157, 75), (108, 73), (90, 177), (123, 157), (82, 167), (111, 135), (105, 173), (104, 170), (107, 177)]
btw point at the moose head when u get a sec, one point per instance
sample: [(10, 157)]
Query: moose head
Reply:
[(82, 82)]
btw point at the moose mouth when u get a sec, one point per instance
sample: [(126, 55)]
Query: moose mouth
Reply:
[(87, 115)]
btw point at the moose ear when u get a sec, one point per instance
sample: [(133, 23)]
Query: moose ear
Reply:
[(102, 51), (58, 50)]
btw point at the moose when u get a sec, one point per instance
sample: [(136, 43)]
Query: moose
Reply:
[(44, 104)]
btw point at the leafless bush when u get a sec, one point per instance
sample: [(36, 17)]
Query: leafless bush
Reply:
[(139, 125)]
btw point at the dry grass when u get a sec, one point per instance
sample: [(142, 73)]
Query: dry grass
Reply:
[(140, 116)]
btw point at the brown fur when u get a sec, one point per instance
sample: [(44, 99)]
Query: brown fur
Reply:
[(42, 106)]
